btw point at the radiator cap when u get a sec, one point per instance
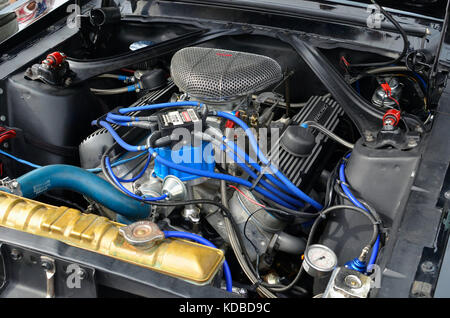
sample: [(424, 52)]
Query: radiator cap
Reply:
[(142, 233)]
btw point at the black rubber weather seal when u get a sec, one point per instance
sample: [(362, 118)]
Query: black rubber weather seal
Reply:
[(88, 69), (367, 119)]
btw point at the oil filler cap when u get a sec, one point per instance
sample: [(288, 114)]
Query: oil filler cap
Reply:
[(298, 141), (142, 233)]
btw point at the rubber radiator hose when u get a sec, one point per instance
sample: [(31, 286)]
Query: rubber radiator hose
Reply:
[(86, 183)]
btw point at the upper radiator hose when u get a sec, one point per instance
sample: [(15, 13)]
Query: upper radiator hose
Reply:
[(76, 179)]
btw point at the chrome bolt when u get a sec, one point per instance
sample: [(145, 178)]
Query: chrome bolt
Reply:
[(47, 265), (353, 281), (412, 143), (82, 273), (369, 137), (447, 195), (428, 267), (16, 255)]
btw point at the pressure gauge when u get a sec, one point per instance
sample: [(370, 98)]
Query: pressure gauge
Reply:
[(319, 260)]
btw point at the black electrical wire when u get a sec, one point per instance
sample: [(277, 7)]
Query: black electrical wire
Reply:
[(251, 242), (140, 161), (413, 118), (282, 288), (404, 37), (243, 250), (245, 229), (370, 209), (258, 276), (297, 214), (331, 182), (277, 287), (329, 192), (326, 211), (434, 69), (300, 290), (363, 202), (272, 287), (279, 209)]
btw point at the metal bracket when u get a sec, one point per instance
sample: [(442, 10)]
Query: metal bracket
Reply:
[(48, 264), (11, 185)]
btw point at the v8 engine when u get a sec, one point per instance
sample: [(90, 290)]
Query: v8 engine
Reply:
[(219, 161)]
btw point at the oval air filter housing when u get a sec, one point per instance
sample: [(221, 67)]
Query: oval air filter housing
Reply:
[(220, 75)]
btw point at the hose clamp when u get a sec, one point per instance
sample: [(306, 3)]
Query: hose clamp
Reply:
[(340, 182), (98, 120), (10, 185)]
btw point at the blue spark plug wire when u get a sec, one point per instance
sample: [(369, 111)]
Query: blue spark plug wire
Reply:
[(201, 240), (352, 198), (266, 162)]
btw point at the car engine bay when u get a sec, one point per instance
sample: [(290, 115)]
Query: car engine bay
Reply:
[(236, 159)]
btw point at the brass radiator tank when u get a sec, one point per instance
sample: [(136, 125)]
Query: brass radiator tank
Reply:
[(186, 260)]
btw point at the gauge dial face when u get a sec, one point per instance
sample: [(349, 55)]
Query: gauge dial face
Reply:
[(321, 258)]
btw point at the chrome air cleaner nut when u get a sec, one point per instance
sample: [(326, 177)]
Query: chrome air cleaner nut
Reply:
[(142, 234)]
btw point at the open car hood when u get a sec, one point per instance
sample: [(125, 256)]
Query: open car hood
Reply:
[(431, 8), (434, 8)]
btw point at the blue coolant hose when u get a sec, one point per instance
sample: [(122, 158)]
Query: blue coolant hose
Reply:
[(201, 240), (79, 180)]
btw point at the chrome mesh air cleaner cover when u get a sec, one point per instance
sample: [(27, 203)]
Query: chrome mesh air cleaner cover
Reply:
[(210, 74)]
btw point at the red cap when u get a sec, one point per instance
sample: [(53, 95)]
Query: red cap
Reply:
[(229, 123), (391, 117), (54, 59)]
